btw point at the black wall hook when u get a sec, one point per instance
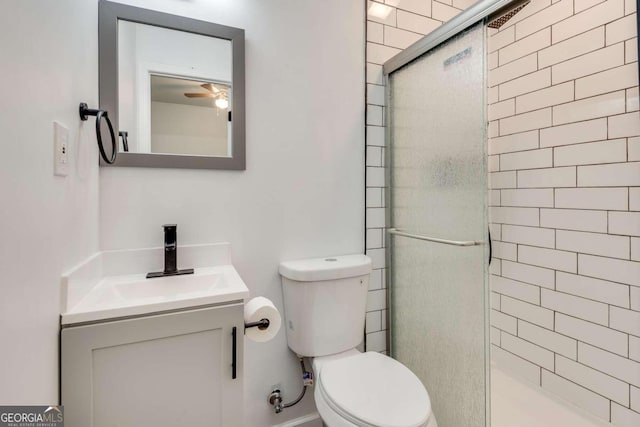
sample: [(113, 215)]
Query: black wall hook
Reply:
[(85, 112), (125, 141)]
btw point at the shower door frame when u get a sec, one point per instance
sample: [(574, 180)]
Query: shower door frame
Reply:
[(479, 11), (465, 19)]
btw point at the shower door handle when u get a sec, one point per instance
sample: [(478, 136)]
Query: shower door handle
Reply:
[(397, 232), (490, 247)]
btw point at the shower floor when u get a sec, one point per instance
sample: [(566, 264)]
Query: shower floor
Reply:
[(515, 403)]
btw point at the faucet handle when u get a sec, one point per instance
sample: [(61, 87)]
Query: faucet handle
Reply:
[(169, 226)]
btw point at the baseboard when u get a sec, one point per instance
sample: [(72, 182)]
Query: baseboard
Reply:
[(309, 420)]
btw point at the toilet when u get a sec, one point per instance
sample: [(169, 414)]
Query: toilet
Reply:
[(325, 305)]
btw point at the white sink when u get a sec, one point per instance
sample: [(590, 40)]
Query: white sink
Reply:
[(169, 287), (119, 296)]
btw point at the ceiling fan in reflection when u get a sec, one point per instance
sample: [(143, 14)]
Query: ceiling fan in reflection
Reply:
[(220, 95)]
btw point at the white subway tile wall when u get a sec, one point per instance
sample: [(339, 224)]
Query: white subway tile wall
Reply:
[(564, 152), (407, 22)]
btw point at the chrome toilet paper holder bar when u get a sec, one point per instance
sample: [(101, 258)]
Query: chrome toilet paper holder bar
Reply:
[(261, 324)]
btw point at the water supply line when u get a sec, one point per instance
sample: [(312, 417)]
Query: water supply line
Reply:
[(275, 398)]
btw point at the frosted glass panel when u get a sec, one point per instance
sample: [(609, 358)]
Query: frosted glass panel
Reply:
[(438, 189)]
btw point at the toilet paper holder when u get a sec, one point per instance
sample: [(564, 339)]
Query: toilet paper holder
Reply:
[(261, 319), (261, 324)]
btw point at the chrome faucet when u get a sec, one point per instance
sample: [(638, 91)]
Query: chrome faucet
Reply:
[(170, 254)]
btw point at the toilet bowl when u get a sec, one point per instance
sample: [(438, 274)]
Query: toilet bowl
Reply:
[(325, 304), (369, 389)]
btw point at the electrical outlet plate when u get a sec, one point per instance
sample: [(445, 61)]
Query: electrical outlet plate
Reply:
[(60, 149)]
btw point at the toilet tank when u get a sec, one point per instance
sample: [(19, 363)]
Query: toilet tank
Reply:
[(325, 303)]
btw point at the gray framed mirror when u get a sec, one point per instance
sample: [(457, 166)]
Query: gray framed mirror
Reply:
[(173, 88)]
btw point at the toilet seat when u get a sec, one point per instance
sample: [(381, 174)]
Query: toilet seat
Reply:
[(373, 390)]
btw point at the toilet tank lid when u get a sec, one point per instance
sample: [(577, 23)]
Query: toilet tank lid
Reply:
[(326, 268)]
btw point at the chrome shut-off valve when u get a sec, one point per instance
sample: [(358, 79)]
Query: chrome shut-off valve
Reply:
[(275, 400)]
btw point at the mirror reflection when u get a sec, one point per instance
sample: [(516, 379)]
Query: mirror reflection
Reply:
[(174, 100), (189, 116)]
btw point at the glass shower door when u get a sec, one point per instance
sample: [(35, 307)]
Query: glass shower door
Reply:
[(438, 189)]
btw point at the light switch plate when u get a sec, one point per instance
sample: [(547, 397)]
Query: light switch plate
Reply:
[(60, 149)]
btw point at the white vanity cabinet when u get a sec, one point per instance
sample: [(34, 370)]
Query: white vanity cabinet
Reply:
[(162, 370)]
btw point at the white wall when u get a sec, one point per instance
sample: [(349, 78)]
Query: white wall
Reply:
[(47, 223), (193, 129), (302, 193)]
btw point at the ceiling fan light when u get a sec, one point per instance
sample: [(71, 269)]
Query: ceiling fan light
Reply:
[(222, 103)]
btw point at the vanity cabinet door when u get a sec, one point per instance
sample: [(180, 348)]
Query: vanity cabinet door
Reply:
[(163, 370)]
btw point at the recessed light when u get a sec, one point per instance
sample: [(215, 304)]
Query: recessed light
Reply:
[(378, 10)]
